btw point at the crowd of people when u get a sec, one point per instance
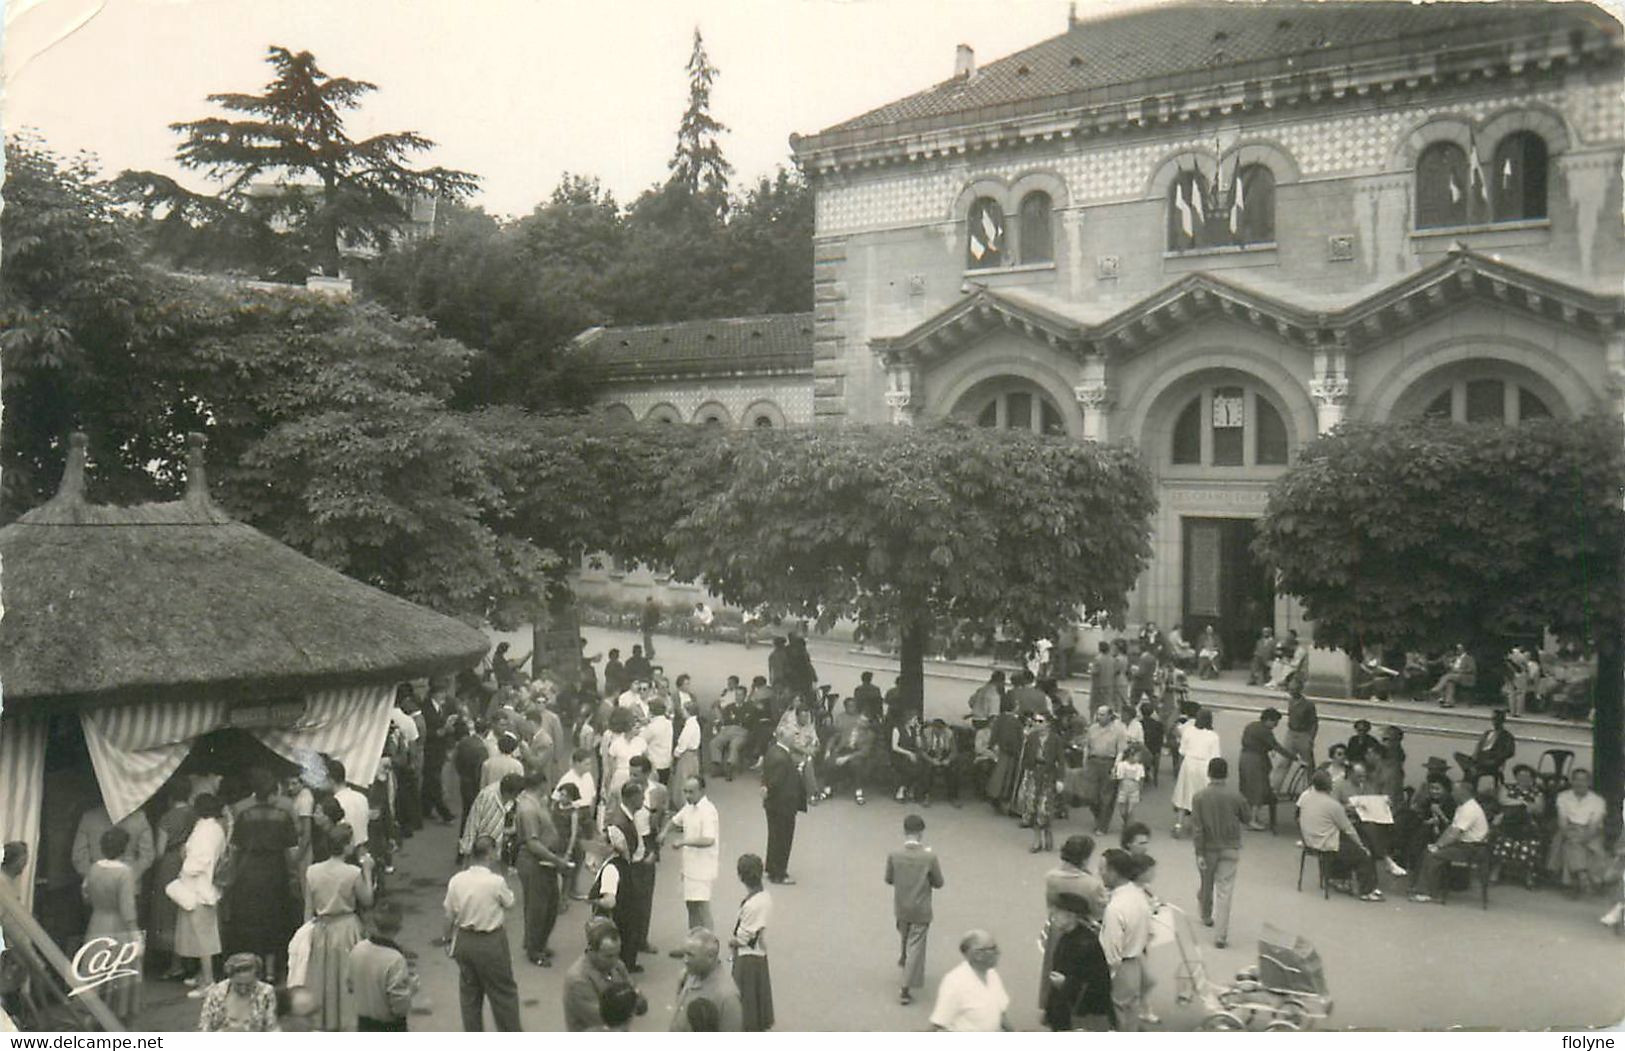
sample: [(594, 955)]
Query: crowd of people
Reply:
[(580, 784)]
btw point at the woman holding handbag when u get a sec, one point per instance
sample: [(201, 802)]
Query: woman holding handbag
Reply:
[(197, 927)]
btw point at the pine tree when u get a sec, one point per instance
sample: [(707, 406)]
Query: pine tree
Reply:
[(325, 189), (698, 166)]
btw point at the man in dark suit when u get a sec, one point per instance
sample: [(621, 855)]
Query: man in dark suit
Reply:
[(437, 743), (1491, 752), (783, 798)]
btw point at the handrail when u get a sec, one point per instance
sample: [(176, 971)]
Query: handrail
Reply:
[(17, 918)]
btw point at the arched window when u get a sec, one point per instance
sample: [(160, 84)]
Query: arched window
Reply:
[(1484, 399), (1232, 425), (1187, 212), (984, 235), (1518, 177), (1235, 207), (1269, 435), (1037, 240), (1020, 410), (1442, 186), (1187, 447), (1253, 218)]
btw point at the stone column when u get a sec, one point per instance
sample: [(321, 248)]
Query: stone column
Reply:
[(900, 397), (1096, 398), (1332, 394)]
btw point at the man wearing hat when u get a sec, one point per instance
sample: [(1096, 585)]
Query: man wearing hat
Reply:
[(1495, 746), (1363, 747)]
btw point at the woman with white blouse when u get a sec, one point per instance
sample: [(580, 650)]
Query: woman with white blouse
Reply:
[(1198, 743)]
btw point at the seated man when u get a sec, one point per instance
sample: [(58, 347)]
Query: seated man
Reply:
[(1495, 746), (728, 743), (1326, 828), (1368, 808), (1461, 841), (938, 750), (851, 752), (1463, 674), (1427, 816)]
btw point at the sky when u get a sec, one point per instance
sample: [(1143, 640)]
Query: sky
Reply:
[(516, 91)]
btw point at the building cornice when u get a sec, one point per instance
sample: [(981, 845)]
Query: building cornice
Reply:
[(1346, 77), (1459, 278)]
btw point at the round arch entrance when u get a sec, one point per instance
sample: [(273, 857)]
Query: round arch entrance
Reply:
[(1216, 435)]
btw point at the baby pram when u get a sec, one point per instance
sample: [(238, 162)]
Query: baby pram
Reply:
[(1284, 992)]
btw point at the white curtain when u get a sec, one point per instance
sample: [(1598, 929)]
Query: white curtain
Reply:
[(135, 748), (22, 788), (348, 724)]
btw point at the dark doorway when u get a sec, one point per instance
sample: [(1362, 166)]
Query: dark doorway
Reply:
[(1224, 585)]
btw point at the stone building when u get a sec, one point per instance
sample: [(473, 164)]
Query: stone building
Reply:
[(1218, 230)]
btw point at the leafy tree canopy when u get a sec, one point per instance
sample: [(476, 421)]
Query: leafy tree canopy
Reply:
[(1427, 534), (295, 187), (906, 526), (327, 420)]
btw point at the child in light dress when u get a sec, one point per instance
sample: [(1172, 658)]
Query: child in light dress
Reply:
[(1129, 772)]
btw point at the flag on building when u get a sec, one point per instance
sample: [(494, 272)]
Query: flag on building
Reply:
[(1184, 209), (1238, 204), (1475, 175)]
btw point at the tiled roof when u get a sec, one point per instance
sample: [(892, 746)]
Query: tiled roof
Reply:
[(1202, 38), (765, 343)]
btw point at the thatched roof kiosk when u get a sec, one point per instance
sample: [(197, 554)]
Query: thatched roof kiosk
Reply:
[(160, 622)]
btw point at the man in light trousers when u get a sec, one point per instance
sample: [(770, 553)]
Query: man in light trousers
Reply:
[(913, 873), (1218, 813)]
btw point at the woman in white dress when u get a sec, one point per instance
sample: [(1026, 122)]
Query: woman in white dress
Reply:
[(1198, 743), (197, 927)]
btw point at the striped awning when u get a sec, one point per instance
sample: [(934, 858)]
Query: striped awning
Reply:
[(135, 748), (22, 789)]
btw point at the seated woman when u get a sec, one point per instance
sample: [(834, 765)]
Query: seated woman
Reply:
[(1518, 836), (1577, 856)]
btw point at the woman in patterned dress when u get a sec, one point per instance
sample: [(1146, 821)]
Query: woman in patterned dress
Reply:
[(1518, 836), (239, 1003), (1038, 783)]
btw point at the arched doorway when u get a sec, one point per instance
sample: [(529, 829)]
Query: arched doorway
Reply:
[(1216, 438)]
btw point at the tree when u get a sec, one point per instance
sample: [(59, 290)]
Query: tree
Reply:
[(769, 246), (327, 420), (698, 167), (518, 292), (1423, 534), (912, 526), (291, 132)]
